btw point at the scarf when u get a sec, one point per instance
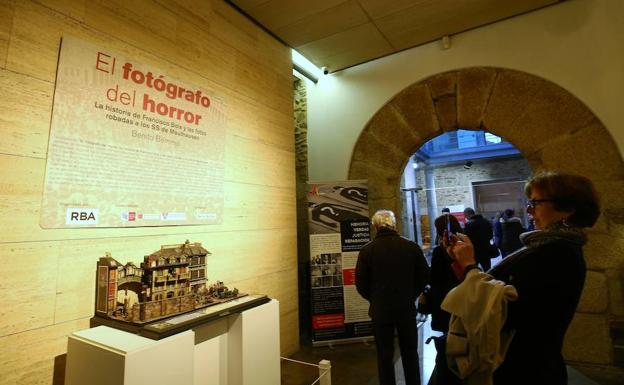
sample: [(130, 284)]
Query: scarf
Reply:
[(557, 231)]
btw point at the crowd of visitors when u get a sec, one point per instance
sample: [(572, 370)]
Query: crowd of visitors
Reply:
[(494, 321)]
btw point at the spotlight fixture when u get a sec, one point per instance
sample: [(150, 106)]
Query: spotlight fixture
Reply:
[(467, 165)]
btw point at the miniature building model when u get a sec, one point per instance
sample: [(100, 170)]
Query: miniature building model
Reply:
[(171, 280), (115, 280)]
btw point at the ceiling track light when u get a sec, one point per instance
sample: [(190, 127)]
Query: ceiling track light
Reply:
[(305, 73)]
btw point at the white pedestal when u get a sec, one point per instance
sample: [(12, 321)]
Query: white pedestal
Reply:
[(254, 346), (106, 356), (211, 358), (241, 349)]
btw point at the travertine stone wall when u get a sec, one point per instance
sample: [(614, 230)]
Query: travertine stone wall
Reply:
[(47, 276), (552, 129)]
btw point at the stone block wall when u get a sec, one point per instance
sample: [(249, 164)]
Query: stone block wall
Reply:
[(453, 183), (300, 107), (153, 309)]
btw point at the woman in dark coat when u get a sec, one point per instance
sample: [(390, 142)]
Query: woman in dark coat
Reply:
[(442, 281), (548, 273)]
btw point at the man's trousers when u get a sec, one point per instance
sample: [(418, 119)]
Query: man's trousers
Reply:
[(408, 345)]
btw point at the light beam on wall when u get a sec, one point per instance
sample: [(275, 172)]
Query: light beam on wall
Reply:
[(305, 67)]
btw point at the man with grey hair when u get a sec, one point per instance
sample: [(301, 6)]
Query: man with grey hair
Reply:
[(391, 272)]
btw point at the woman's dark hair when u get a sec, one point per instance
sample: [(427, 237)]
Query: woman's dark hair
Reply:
[(440, 224), (569, 192)]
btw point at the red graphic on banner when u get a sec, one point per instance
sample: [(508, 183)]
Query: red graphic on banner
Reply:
[(460, 217), (328, 321), (348, 276), (131, 215)]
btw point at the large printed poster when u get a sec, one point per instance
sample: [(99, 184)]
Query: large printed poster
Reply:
[(339, 227), (130, 145)]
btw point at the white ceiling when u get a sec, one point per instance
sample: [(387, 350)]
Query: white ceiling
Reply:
[(338, 34)]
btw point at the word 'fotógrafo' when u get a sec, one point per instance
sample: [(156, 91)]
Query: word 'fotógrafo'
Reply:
[(158, 83), (171, 90)]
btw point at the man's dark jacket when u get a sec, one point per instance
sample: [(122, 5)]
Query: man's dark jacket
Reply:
[(479, 230), (391, 272)]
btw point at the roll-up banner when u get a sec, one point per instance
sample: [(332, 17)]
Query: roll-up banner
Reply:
[(339, 226)]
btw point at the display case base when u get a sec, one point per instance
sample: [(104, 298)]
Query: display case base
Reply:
[(169, 326)]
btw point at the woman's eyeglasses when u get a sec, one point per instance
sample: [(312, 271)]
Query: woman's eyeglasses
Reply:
[(532, 203)]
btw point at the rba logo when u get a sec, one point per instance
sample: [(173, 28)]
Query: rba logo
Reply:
[(81, 216)]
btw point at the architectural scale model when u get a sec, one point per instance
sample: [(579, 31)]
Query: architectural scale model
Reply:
[(170, 281)]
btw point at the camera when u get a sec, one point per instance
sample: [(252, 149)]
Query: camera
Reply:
[(325, 70), (448, 231)]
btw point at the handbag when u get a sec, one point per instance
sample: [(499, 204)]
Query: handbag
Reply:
[(424, 302), (442, 375), (492, 251)]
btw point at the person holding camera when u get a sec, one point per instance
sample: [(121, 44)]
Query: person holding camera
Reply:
[(548, 274), (443, 280)]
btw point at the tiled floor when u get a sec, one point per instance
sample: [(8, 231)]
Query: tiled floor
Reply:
[(352, 363), (355, 364)]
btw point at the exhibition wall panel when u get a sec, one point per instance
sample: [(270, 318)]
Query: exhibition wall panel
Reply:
[(48, 275)]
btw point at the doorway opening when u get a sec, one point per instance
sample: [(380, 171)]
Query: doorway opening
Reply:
[(457, 170)]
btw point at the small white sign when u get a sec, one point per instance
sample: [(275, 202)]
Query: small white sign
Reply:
[(457, 208), (202, 215), (82, 216)]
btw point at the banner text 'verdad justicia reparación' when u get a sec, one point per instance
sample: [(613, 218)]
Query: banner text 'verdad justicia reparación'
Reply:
[(130, 145)]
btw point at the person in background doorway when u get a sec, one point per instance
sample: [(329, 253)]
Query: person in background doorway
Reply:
[(479, 230), (390, 273), (445, 210), (548, 274), (531, 223), (442, 281), (498, 232), (511, 227)]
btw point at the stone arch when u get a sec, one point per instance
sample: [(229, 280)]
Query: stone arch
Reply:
[(552, 128)]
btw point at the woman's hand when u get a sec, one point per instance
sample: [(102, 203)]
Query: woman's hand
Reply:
[(459, 247)]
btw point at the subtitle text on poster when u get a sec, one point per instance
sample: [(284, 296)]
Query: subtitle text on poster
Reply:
[(355, 234)]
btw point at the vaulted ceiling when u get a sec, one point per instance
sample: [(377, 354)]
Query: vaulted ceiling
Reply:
[(338, 34)]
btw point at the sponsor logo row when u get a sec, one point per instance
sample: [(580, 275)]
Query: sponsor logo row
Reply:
[(91, 216)]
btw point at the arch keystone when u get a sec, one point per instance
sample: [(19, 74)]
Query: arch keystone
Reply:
[(474, 86)]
